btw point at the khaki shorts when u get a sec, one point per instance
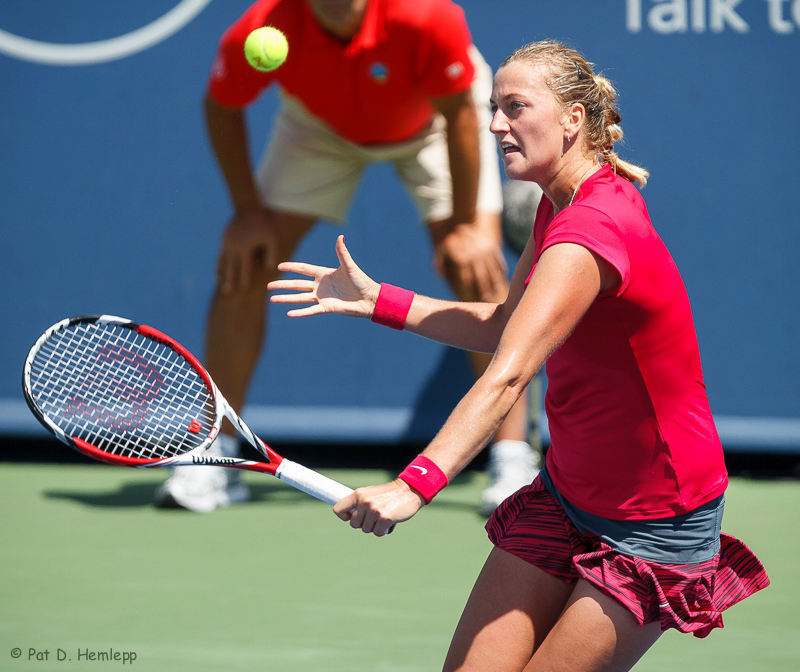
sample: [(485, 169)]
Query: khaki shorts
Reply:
[(309, 169)]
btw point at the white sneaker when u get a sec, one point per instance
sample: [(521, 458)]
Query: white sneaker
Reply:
[(512, 465), (203, 489)]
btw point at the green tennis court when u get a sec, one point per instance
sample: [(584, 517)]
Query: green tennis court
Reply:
[(90, 567)]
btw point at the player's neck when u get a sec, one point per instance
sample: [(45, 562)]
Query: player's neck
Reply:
[(341, 19), (564, 186)]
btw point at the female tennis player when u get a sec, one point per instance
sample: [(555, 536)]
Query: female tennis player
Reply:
[(619, 536)]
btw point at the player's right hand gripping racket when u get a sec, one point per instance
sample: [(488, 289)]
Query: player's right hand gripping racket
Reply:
[(127, 394)]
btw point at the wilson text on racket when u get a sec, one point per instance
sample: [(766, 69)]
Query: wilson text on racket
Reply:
[(196, 459), (82, 655)]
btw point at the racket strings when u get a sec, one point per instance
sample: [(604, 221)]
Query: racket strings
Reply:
[(121, 392)]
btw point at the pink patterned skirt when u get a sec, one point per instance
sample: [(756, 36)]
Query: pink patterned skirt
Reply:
[(688, 597)]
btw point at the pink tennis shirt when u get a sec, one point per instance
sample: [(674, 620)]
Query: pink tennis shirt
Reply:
[(375, 89), (632, 435)]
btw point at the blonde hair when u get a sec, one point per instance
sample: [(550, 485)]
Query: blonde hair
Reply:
[(571, 79)]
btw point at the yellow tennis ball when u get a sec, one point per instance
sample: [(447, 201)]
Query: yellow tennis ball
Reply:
[(266, 48)]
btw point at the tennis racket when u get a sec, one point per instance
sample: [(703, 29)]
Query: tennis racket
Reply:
[(124, 393)]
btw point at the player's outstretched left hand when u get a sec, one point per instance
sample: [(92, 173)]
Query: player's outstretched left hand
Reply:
[(378, 508), (346, 290)]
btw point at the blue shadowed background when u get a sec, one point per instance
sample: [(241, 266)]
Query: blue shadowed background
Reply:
[(111, 202)]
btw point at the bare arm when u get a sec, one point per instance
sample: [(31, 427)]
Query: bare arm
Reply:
[(567, 280), (347, 290), (463, 152), (470, 326), (227, 131), (528, 327), (253, 228)]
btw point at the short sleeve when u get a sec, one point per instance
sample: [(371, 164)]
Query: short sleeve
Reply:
[(445, 63), (595, 231), (233, 82)]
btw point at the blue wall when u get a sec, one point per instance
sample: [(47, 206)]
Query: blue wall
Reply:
[(110, 202)]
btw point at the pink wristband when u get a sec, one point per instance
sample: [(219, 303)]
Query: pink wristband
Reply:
[(392, 306), (425, 477)]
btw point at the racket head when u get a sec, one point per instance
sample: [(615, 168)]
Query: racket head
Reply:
[(120, 392)]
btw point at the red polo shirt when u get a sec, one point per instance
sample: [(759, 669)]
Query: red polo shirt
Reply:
[(374, 89), (632, 436)]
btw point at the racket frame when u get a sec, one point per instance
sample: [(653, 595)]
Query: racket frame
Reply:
[(300, 477)]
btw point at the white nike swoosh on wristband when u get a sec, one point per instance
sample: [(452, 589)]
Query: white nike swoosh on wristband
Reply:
[(423, 470)]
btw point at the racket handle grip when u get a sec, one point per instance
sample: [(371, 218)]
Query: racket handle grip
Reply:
[(312, 482)]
